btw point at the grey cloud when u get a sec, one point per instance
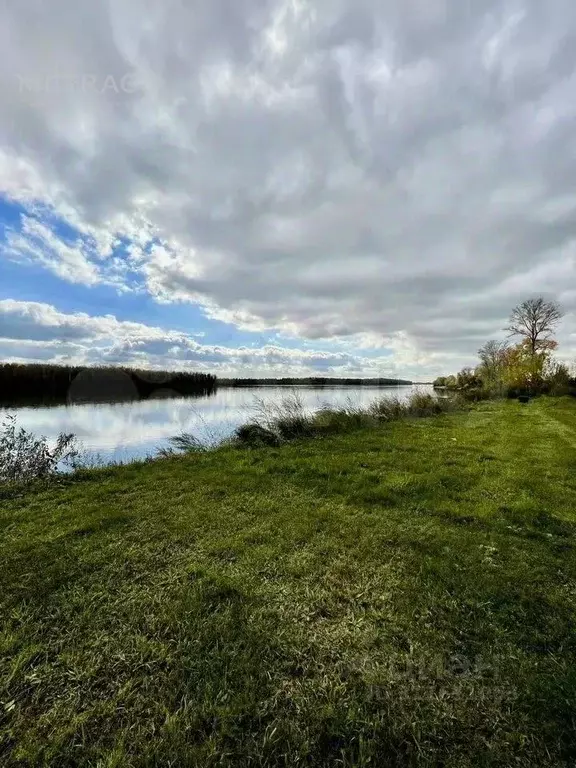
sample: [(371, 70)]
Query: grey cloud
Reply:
[(322, 168)]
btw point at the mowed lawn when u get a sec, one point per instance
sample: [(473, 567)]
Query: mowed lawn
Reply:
[(393, 597)]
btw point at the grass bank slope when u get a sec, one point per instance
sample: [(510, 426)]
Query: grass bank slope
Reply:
[(393, 597)]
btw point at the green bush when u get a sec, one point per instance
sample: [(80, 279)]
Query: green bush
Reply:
[(477, 394), (424, 405), (25, 457)]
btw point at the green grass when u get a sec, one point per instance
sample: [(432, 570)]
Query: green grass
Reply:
[(396, 596)]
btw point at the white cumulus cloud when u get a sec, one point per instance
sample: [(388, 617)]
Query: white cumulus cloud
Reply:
[(326, 169)]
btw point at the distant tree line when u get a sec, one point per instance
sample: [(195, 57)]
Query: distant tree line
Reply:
[(313, 381), (46, 382), (525, 368), (20, 382)]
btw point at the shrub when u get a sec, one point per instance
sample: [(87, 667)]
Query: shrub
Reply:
[(478, 394), (558, 381), (25, 457), (423, 405), (468, 379)]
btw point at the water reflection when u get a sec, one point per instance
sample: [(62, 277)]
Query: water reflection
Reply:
[(138, 428)]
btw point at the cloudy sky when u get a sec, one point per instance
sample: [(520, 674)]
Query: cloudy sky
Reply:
[(272, 187)]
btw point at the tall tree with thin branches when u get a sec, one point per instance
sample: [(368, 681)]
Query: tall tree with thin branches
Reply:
[(492, 353), (535, 321), (493, 357)]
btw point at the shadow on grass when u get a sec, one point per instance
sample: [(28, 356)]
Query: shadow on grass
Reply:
[(190, 673), (35, 570)]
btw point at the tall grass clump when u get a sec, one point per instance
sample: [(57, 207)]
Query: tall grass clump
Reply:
[(186, 442), (422, 404), (25, 457), (389, 409), (288, 418), (275, 423), (202, 438), (256, 436), (329, 420), (418, 405)]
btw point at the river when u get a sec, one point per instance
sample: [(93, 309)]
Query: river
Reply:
[(124, 431)]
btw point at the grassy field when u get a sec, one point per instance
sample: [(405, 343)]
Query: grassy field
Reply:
[(394, 597)]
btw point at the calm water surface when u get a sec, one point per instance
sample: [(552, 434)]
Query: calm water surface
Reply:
[(120, 432)]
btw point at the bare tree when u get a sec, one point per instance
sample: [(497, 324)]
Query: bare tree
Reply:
[(493, 361), (535, 320), (492, 354)]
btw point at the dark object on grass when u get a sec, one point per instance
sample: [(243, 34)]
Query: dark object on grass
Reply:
[(524, 399), (256, 436)]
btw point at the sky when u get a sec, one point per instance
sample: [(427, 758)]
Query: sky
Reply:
[(283, 188)]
